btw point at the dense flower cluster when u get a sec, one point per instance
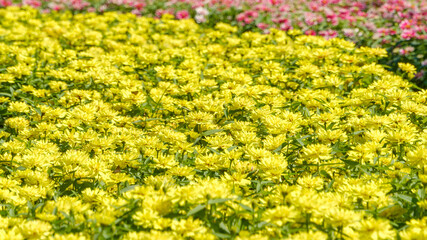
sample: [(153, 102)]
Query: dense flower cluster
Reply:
[(119, 127), (344, 18), (397, 25)]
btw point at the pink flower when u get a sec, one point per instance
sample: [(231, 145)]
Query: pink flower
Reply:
[(55, 7), (324, 2), (240, 17), (370, 25), (406, 24), (136, 12), (253, 14), (310, 32), (262, 8), (421, 36), (285, 26), (315, 7), (139, 6), (262, 26), (79, 5), (183, 14), (102, 8), (311, 18), (348, 32), (32, 3), (284, 8), (161, 12), (247, 17), (328, 34), (419, 75), (359, 5), (405, 51), (332, 18), (275, 2), (408, 33), (5, 3), (247, 20)]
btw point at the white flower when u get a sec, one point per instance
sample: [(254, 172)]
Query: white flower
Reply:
[(202, 11), (200, 18)]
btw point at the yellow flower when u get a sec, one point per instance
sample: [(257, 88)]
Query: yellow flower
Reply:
[(188, 227), (339, 217), (408, 68), (20, 107), (280, 215), (236, 178), (145, 217), (35, 229), (165, 161), (375, 229), (315, 153), (309, 235)]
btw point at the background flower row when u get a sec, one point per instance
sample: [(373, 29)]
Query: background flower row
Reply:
[(397, 25)]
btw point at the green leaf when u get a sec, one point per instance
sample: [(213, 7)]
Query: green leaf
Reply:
[(6, 94), (405, 197), (246, 207), (221, 235), (224, 227), (195, 210), (196, 141), (278, 149), (210, 132), (218, 200), (325, 174), (128, 188), (357, 132), (300, 142), (351, 163)]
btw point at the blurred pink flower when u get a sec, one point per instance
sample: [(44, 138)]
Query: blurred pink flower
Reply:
[(328, 34), (240, 17), (160, 12), (315, 7), (139, 5), (262, 8), (332, 18), (136, 12), (183, 14), (284, 8), (285, 26), (406, 24), (405, 51), (348, 32), (5, 3), (32, 3), (408, 33), (275, 2), (310, 32), (262, 26), (247, 17)]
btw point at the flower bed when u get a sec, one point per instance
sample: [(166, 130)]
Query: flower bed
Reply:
[(115, 126), (396, 25)]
